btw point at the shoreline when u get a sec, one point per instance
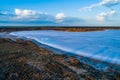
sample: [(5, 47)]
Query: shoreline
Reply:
[(104, 66), (96, 63), (71, 66), (68, 29)]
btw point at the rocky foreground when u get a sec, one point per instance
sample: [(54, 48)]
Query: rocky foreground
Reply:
[(23, 60)]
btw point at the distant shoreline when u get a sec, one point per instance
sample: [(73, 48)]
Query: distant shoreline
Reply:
[(60, 26), (63, 28)]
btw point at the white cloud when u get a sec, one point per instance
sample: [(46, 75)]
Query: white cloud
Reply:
[(107, 3), (105, 15), (89, 8), (25, 13), (60, 16)]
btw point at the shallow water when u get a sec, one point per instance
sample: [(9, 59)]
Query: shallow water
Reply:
[(98, 45)]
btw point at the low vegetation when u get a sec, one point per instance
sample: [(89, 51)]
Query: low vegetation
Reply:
[(23, 60)]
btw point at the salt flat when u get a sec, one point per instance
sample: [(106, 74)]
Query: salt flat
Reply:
[(99, 45)]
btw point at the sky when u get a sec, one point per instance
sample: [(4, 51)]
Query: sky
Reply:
[(60, 12)]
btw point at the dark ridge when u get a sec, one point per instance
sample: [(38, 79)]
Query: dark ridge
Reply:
[(60, 26)]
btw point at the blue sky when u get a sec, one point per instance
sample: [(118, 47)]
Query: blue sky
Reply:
[(60, 12)]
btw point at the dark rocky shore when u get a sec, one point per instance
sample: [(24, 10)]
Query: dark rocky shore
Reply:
[(23, 60)]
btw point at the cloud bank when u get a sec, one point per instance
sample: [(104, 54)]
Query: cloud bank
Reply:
[(38, 18)]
